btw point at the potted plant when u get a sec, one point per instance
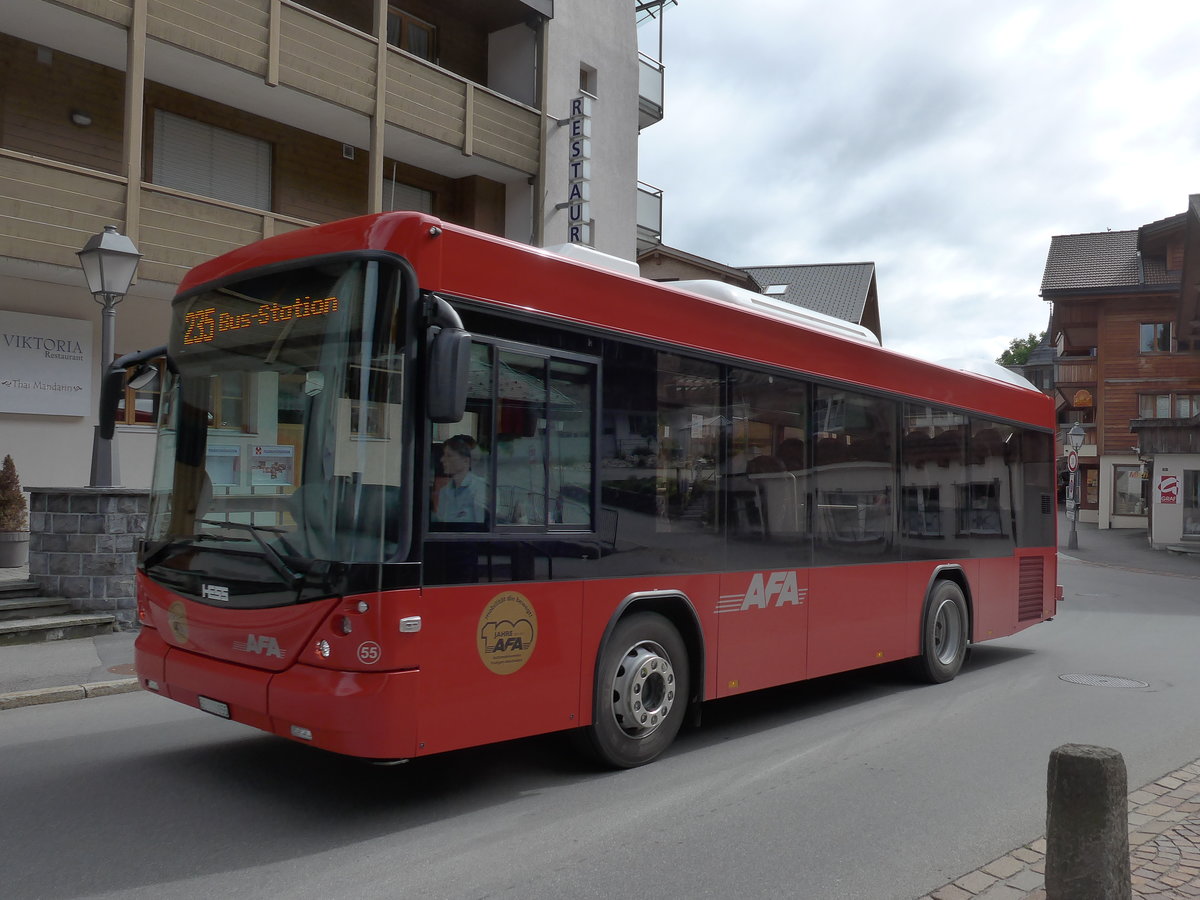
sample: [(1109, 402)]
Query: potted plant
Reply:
[(14, 521)]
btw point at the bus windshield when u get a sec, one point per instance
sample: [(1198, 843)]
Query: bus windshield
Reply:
[(278, 452)]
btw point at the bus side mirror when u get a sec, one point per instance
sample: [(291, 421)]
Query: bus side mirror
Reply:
[(449, 371), (112, 388)]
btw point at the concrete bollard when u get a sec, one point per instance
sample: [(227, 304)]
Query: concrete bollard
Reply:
[(1087, 825)]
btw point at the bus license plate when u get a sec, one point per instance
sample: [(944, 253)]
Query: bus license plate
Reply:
[(216, 707)]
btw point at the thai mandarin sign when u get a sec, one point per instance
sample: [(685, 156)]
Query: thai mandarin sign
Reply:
[(46, 365), (579, 168)]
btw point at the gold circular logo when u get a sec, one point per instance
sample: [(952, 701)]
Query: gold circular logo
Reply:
[(507, 632), (177, 621)]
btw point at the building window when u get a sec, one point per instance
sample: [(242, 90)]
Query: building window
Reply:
[(1154, 406), (775, 290), (1166, 406), (397, 195), (587, 79), (1154, 337), (212, 162), (140, 407), (229, 402), (1128, 491), (409, 33)]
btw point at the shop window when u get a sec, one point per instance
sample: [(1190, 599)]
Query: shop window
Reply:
[(1129, 491), (409, 33), (1154, 337), (1191, 504)]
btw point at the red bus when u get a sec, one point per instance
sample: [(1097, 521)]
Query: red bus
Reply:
[(419, 488)]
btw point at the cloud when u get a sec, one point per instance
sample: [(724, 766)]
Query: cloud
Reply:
[(945, 143)]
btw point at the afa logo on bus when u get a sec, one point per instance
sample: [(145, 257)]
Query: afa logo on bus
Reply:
[(766, 590), (507, 632)]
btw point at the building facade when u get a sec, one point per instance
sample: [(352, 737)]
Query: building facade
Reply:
[(195, 133), (1126, 326)]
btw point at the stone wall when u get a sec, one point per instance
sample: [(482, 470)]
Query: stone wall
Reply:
[(83, 546)]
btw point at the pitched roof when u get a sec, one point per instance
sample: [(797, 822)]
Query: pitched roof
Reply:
[(838, 289), (1105, 259)]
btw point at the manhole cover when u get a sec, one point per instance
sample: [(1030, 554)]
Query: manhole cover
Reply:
[(1104, 681), (123, 669)]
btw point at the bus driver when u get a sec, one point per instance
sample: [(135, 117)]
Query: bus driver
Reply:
[(463, 498)]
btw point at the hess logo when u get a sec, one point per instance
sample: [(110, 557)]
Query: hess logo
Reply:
[(215, 592), (766, 590)]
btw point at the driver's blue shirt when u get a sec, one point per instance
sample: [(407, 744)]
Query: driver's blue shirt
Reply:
[(462, 502)]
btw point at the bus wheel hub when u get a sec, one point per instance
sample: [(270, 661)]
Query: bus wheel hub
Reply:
[(643, 689)]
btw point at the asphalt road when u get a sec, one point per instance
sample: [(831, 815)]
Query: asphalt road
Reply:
[(860, 786)]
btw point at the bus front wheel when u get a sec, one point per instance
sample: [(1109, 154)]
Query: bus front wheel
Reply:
[(641, 692), (944, 634)]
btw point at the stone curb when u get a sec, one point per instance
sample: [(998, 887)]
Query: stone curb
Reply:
[(18, 699)]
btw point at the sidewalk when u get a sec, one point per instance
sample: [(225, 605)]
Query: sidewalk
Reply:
[(1164, 816), (50, 672)]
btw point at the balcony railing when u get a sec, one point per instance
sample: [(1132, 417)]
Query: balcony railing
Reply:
[(289, 45), (650, 91), (60, 206), (649, 216), (1079, 371)]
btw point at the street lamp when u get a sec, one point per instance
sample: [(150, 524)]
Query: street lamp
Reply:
[(1075, 438), (109, 261)]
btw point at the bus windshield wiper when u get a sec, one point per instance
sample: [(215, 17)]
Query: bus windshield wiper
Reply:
[(292, 578), (156, 555)]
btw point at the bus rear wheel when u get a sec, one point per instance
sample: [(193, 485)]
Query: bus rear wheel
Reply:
[(944, 634), (641, 692)]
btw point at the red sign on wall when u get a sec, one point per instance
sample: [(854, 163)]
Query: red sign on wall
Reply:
[(1168, 489)]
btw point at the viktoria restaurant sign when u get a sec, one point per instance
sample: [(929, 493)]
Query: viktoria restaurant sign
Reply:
[(45, 365)]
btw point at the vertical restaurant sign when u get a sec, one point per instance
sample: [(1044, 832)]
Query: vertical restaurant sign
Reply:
[(46, 365), (579, 169)]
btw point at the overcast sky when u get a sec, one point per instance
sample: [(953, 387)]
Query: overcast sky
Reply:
[(945, 141)]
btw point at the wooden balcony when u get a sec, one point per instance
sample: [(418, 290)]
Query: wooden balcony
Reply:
[(1075, 372), (53, 208), (291, 46)]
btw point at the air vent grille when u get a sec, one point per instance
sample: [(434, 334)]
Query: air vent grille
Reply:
[(1029, 594)]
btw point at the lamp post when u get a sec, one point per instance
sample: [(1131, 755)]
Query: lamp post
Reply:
[(1075, 438), (109, 261)]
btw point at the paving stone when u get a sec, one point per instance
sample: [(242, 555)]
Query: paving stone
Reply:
[(1002, 892), (950, 892), (1004, 867), (975, 882), (1027, 881), (1026, 855)]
